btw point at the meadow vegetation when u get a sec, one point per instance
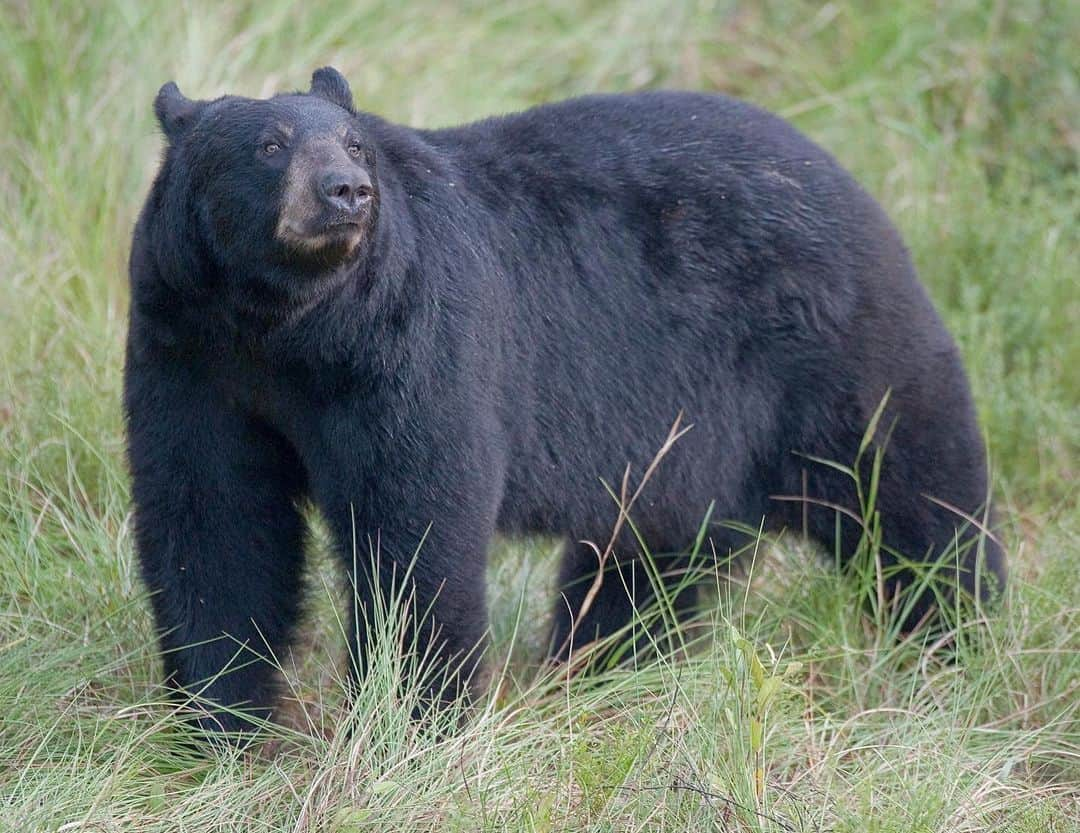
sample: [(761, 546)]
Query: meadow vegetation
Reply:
[(792, 707)]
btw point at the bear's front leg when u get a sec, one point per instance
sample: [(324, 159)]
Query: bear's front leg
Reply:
[(417, 547), (219, 537)]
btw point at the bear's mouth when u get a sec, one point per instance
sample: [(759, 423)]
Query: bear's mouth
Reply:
[(336, 225), (340, 230), (330, 242), (326, 238)]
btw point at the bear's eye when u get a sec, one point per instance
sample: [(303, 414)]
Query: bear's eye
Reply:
[(270, 148), (355, 150)]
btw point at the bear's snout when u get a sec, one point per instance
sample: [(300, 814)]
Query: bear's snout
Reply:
[(345, 189), (326, 203)]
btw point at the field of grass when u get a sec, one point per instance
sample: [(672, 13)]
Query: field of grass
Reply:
[(791, 712)]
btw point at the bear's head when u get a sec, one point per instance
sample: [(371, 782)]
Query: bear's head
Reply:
[(285, 184)]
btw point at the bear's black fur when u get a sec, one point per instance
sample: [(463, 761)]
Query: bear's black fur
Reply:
[(437, 334)]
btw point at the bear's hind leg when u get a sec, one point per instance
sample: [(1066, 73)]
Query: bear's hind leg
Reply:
[(931, 514), (625, 598)]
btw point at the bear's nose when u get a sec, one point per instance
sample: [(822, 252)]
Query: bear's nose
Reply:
[(345, 189)]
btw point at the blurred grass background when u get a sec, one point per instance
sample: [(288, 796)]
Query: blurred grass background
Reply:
[(962, 118)]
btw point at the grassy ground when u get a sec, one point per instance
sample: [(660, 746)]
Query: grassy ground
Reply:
[(793, 712)]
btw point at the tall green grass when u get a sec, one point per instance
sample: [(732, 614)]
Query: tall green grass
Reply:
[(789, 711)]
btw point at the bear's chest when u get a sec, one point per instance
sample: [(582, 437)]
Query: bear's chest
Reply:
[(285, 395), (294, 393)]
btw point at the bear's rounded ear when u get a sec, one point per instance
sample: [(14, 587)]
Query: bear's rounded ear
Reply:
[(175, 112), (330, 84)]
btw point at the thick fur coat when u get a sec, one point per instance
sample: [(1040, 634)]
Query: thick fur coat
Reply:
[(433, 335)]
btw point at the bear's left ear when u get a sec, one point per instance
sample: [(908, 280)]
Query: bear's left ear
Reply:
[(331, 85)]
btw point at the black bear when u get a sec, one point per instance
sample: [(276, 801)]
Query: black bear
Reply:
[(432, 335)]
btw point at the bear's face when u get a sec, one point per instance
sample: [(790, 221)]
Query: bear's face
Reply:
[(288, 181)]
